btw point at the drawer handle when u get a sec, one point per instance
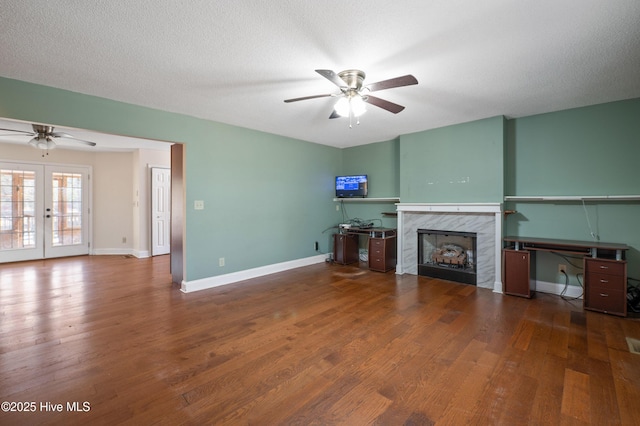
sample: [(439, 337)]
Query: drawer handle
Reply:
[(604, 267), (604, 281), (604, 295)]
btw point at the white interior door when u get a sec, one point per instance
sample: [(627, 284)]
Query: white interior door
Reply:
[(44, 211), (160, 211)]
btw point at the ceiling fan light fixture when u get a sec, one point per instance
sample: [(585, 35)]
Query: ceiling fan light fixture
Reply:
[(358, 105), (42, 142), (342, 107), (34, 142), (350, 106)]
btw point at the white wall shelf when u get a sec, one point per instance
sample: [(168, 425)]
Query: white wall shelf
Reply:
[(542, 198), (369, 200)]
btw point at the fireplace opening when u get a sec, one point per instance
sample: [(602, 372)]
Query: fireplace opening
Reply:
[(449, 255)]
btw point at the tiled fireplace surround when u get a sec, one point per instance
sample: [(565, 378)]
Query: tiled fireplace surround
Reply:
[(484, 219)]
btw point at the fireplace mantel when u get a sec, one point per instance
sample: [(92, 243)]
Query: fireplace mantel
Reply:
[(483, 217), (450, 207)]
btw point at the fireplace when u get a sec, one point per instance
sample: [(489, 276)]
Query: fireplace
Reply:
[(450, 255), (485, 219)]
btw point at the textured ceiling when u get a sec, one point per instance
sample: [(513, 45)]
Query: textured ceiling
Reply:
[(236, 61)]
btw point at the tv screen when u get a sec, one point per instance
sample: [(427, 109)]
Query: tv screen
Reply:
[(351, 186)]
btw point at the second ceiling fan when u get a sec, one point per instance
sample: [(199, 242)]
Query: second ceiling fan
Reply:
[(43, 137), (354, 94)]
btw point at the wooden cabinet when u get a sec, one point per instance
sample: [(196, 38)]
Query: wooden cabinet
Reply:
[(345, 248), (382, 254), (605, 270), (519, 272), (605, 286), (381, 247)]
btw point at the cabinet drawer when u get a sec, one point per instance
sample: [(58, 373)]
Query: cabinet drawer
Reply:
[(606, 282), (606, 300), (376, 243), (596, 266), (376, 252), (376, 263)]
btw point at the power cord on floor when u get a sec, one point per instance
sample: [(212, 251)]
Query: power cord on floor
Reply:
[(566, 287)]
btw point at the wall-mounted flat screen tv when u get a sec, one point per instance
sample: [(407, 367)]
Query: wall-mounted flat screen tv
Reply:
[(351, 186)]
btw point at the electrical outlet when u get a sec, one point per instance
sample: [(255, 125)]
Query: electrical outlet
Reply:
[(221, 261), (562, 268), (124, 240), (337, 207)]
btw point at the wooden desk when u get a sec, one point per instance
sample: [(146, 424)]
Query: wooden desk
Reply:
[(381, 246), (605, 270)]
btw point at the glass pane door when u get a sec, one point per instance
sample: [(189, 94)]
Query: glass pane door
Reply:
[(66, 211), (21, 224), (44, 211)]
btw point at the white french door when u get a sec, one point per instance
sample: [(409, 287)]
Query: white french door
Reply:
[(66, 211), (44, 211)]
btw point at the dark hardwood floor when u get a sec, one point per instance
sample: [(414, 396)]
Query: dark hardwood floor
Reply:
[(324, 345)]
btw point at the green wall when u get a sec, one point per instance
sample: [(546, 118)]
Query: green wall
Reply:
[(454, 164), (380, 162), (583, 151), (267, 198)]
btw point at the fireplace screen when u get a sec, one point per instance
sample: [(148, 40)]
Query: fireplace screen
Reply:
[(449, 255)]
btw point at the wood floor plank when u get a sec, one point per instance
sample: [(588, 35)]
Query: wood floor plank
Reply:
[(576, 396), (323, 344)]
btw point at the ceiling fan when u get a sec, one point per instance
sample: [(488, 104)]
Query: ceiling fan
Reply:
[(354, 95), (43, 137)]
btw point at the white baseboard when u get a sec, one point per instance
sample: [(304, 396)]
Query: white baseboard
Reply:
[(112, 251), (140, 254), (219, 280), (555, 288)]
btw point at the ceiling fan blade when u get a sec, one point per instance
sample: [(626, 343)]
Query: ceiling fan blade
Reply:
[(73, 138), (304, 98), (405, 80), (18, 131), (333, 77), (381, 103), (334, 114)]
